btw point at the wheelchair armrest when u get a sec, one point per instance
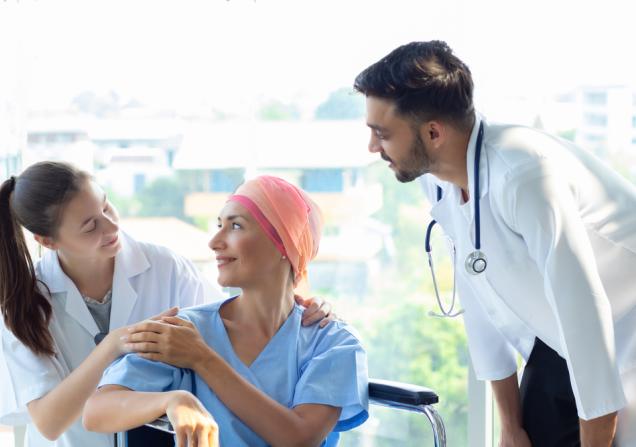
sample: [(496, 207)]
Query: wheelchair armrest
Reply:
[(380, 391), (387, 391), (161, 423)]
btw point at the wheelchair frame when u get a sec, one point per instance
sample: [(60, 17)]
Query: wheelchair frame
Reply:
[(398, 395)]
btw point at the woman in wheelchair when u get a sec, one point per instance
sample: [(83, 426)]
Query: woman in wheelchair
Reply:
[(247, 372)]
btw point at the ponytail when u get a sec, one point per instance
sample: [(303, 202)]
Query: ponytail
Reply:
[(25, 310)]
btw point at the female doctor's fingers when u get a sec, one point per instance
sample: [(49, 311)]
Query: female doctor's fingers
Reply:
[(176, 321), (166, 313), (148, 326), (317, 310), (140, 337), (143, 347)]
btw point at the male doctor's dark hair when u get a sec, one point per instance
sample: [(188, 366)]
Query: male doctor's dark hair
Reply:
[(425, 80), (35, 199)]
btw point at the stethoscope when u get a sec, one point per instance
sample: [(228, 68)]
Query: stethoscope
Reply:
[(476, 262)]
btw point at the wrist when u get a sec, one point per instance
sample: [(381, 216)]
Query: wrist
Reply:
[(174, 398), (112, 346), (511, 424), (206, 359)]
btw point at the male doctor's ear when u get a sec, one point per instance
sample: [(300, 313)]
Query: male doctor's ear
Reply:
[(434, 134)]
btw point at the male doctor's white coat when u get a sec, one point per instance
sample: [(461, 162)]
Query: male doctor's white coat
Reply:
[(558, 229), (148, 279)]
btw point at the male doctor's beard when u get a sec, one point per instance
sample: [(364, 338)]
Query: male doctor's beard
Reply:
[(418, 163)]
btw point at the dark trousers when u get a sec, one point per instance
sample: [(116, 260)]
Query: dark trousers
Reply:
[(547, 402)]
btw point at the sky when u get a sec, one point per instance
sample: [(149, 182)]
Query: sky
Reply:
[(235, 54)]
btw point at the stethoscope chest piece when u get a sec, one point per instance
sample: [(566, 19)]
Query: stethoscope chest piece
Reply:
[(476, 262)]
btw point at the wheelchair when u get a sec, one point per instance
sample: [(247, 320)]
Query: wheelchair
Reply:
[(402, 396)]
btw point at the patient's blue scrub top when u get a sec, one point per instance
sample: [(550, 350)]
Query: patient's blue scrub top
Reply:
[(299, 365)]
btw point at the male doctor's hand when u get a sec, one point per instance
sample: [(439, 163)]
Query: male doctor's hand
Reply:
[(514, 438)]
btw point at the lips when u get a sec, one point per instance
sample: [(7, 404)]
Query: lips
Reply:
[(222, 261), (113, 241)]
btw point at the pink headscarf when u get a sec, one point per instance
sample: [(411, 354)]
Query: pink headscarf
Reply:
[(288, 217)]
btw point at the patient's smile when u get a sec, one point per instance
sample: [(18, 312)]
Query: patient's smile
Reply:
[(222, 261)]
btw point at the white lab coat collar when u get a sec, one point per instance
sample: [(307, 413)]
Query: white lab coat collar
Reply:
[(129, 262), (447, 208)]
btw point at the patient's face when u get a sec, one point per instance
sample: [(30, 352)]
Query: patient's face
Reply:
[(245, 256)]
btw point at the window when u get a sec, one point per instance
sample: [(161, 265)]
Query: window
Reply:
[(139, 181), (322, 180), (595, 98), (594, 138), (225, 180), (595, 119)]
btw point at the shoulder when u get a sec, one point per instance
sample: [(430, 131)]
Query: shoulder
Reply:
[(201, 313), (518, 155), (335, 334), (513, 150)]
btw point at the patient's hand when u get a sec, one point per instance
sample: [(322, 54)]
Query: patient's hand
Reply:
[(170, 340), (194, 426), (316, 310)]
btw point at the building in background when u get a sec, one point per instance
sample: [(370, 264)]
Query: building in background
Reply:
[(607, 119), (59, 137), (12, 110)]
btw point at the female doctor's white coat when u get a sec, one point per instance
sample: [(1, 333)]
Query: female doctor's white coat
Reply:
[(558, 229), (148, 279)]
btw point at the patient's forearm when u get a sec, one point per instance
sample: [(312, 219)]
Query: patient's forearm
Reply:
[(278, 425), (113, 408)]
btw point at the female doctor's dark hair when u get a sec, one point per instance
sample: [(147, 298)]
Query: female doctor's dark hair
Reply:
[(35, 199), (425, 80)]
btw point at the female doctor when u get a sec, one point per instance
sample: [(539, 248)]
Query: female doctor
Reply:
[(545, 250), (64, 319)]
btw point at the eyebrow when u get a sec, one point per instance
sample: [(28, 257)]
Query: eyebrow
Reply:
[(376, 127), (232, 217), (90, 218)]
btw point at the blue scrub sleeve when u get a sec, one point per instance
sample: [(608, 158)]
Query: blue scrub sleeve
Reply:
[(139, 374), (336, 375)]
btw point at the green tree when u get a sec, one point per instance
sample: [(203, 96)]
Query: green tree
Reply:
[(342, 104), (278, 111), (163, 197), (403, 342)]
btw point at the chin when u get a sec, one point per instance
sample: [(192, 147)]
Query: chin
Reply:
[(226, 282)]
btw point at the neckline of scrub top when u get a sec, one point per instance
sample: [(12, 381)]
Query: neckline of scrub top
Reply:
[(283, 328)]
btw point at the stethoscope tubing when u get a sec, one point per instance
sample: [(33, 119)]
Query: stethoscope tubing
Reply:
[(474, 259)]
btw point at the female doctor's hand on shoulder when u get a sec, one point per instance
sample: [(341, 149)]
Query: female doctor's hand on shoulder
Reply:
[(317, 310), (192, 423)]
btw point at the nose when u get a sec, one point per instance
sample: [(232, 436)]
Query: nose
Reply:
[(216, 243), (374, 144), (110, 225)]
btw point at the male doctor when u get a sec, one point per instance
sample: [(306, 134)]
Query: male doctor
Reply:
[(554, 276)]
